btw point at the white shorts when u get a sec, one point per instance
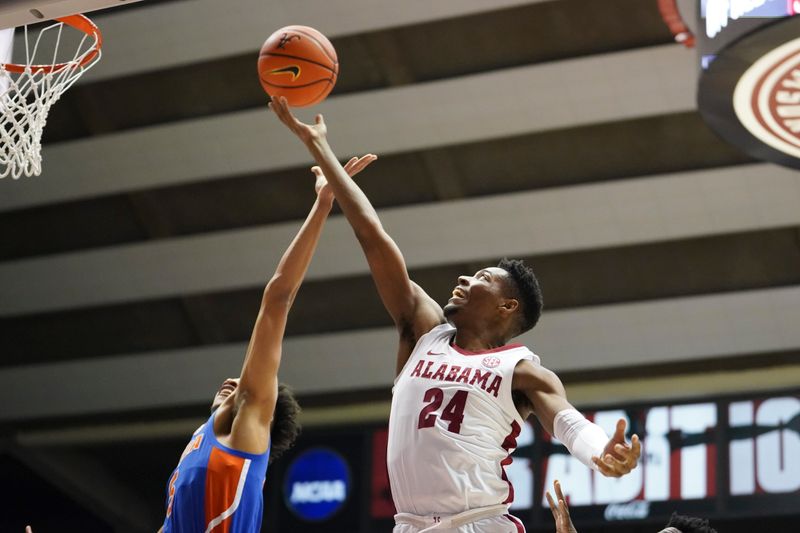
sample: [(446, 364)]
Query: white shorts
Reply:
[(494, 524)]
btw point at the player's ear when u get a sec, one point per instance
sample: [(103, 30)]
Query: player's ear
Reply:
[(509, 305)]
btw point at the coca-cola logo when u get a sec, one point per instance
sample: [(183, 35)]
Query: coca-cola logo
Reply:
[(634, 510), (767, 98)]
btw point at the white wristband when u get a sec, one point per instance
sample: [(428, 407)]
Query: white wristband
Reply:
[(582, 438)]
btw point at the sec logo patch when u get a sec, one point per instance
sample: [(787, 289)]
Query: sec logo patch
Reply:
[(491, 361)]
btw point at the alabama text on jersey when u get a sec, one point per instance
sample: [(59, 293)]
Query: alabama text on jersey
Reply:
[(453, 426)]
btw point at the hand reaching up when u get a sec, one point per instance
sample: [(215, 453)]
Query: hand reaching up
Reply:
[(352, 167), (560, 511), (307, 133)]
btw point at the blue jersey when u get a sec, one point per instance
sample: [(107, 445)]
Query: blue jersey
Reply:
[(215, 488)]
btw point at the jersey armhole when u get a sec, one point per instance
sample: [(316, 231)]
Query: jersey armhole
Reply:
[(413, 350)]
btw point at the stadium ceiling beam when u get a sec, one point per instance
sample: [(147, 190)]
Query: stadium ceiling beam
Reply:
[(179, 34), (618, 213), (642, 333), (517, 101)]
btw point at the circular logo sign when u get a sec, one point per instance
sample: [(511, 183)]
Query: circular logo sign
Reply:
[(490, 361), (317, 484), (767, 98)]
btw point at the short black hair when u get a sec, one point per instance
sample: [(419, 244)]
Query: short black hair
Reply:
[(285, 425), (526, 291), (689, 524)]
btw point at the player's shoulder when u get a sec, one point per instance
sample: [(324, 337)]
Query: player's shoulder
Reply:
[(437, 332), (525, 353), (528, 373)]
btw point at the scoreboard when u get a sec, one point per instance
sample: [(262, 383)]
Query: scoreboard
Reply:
[(720, 458), (749, 87)]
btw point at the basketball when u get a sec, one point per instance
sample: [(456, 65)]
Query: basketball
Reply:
[(299, 63)]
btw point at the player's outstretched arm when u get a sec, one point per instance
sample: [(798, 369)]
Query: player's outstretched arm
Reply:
[(585, 440), (258, 385), (413, 311)]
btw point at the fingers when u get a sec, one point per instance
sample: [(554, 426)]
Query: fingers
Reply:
[(317, 171), (553, 507), (606, 466), (636, 445), (630, 453), (619, 433), (280, 107), (559, 494), (28, 529), (610, 466), (364, 161), (350, 164), (359, 164)]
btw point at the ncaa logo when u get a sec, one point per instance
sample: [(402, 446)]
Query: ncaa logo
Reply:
[(491, 361), (317, 484), (767, 98)]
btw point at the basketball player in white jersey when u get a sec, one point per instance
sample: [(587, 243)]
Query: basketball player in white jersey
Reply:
[(461, 392)]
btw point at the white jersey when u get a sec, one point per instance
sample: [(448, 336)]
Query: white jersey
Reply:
[(453, 426)]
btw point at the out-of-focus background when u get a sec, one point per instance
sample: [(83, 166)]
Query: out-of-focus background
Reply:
[(563, 132)]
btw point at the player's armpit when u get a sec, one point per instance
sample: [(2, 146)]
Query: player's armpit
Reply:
[(425, 315)]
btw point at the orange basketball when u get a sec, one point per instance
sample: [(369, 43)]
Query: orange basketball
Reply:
[(299, 63)]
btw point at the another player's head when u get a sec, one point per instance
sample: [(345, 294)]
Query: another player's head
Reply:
[(505, 299), (227, 388), (284, 427), (687, 524)]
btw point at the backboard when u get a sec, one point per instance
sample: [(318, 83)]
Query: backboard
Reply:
[(15, 13)]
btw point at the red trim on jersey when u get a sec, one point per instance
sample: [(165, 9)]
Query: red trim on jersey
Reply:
[(516, 522), (509, 443), (462, 351), (222, 479)]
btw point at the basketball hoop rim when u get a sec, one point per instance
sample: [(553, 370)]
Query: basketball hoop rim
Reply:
[(80, 23)]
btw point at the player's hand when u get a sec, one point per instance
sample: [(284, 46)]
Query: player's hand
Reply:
[(619, 457), (357, 164), (28, 529), (352, 167), (561, 511), (306, 132)]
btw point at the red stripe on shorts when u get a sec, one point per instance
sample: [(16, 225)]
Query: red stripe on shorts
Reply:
[(516, 522)]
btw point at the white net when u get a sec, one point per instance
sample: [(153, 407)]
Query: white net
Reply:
[(28, 90)]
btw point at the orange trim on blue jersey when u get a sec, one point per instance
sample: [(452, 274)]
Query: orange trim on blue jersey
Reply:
[(222, 479)]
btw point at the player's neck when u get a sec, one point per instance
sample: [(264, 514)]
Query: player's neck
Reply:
[(477, 341)]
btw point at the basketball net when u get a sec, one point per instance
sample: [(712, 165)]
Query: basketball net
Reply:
[(27, 90)]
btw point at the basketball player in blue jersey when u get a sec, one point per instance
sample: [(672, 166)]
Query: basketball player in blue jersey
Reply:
[(218, 483), (461, 392)]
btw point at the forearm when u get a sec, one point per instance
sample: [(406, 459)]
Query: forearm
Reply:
[(297, 257), (548, 397), (258, 384), (583, 439), (354, 203)]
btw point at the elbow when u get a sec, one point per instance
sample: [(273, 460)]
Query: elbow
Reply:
[(370, 234), (277, 293)]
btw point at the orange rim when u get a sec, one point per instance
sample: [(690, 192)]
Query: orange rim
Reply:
[(80, 23)]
